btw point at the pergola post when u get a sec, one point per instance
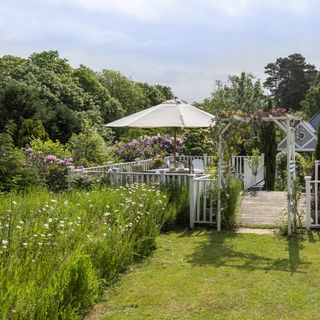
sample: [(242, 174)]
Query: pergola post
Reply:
[(220, 153), (289, 136), (220, 173)]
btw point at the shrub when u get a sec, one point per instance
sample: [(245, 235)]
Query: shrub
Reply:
[(52, 170), (56, 251), (48, 147), (31, 129), (230, 201), (146, 147), (89, 148), (178, 197), (301, 166), (196, 142), (269, 148), (11, 163)]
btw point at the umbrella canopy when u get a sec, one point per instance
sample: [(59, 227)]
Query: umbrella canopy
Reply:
[(172, 113)]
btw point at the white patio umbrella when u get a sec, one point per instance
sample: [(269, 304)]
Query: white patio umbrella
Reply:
[(172, 114)]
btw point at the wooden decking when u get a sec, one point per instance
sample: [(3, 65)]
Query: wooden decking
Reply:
[(265, 208)]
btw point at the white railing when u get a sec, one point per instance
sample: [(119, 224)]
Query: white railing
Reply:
[(159, 177), (243, 171), (201, 199), (238, 166), (133, 166), (138, 165), (207, 160), (312, 203)]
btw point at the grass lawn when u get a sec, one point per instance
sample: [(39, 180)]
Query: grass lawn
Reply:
[(205, 275)]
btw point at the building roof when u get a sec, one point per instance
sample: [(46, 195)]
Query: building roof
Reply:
[(305, 138), (315, 121)]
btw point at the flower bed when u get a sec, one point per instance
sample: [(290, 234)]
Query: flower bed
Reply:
[(146, 147), (58, 251)]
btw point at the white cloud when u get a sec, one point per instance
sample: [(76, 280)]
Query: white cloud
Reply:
[(150, 10), (141, 9)]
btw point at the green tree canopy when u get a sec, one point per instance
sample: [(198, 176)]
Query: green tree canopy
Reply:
[(311, 103), (30, 130), (46, 87), (242, 92), (17, 102), (289, 79), (126, 91)]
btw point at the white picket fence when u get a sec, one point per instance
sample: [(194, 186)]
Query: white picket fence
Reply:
[(133, 166), (312, 203), (201, 187), (207, 160), (138, 165), (159, 177), (238, 166), (243, 171), (201, 199)]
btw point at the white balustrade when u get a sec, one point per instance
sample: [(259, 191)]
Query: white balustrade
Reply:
[(201, 199)]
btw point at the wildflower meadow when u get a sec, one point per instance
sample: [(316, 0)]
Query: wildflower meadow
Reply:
[(57, 252)]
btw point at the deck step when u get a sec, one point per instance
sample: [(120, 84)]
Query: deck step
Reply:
[(263, 208)]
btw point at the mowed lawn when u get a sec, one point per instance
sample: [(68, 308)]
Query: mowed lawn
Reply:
[(205, 275)]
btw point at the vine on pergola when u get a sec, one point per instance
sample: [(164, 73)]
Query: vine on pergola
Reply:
[(227, 126)]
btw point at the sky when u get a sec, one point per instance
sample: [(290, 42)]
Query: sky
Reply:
[(185, 44)]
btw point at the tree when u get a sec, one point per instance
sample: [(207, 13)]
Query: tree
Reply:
[(152, 94), (17, 103), (196, 142), (46, 87), (311, 103), (11, 160), (166, 91), (239, 93), (30, 130), (88, 147), (289, 79), (269, 148), (127, 92), (109, 107), (317, 151), (61, 122)]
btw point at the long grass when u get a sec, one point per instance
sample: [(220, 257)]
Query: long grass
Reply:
[(57, 252)]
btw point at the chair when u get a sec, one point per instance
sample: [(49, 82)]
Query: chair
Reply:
[(198, 166)]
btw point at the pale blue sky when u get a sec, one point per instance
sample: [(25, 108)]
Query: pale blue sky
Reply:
[(185, 44)]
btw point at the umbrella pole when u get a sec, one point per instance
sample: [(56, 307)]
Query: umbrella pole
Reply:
[(174, 145)]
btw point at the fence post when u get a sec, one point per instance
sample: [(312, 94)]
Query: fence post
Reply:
[(162, 176), (192, 200), (115, 176), (308, 202), (70, 172), (205, 160)]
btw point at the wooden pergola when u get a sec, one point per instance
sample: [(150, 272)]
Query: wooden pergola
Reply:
[(286, 123)]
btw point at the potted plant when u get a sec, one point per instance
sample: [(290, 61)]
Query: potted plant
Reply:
[(254, 163)]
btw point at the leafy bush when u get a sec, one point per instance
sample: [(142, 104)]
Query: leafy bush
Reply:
[(48, 147), (52, 170), (11, 163), (56, 251), (85, 182), (196, 142), (301, 166), (230, 200), (89, 148), (146, 147), (178, 197)]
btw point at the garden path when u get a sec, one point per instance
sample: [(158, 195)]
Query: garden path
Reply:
[(264, 208)]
